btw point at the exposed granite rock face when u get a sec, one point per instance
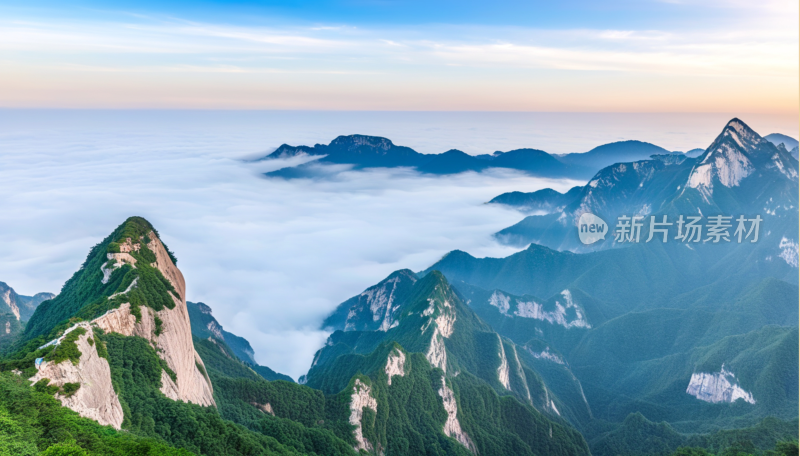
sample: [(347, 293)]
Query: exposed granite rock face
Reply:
[(95, 398), (521, 375), (443, 329), (265, 408), (175, 340), (11, 303), (502, 370), (21, 306), (361, 398), (452, 427), (395, 364), (717, 387)]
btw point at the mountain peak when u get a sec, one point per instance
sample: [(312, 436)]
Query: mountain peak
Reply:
[(738, 124), (377, 307), (740, 132), (353, 141), (131, 286)]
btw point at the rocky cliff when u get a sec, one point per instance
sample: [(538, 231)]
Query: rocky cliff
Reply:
[(168, 330), (95, 397), (21, 306)]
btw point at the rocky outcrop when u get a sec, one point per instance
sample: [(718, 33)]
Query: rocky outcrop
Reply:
[(501, 301), (521, 374), (717, 387), (452, 427), (443, 325), (790, 253), (174, 344), (546, 354), (567, 312), (265, 408), (395, 364), (175, 341), (437, 354), (172, 339), (358, 401), (215, 329), (95, 398), (375, 309), (502, 370), (6, 296)]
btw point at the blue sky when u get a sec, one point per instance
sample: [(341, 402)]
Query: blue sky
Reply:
[(631, 56), (541, 14)]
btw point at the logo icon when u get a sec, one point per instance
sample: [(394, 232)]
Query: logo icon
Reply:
[(591, 228)]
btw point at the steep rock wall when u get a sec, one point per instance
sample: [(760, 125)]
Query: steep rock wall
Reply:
[(717, 387), (395, 364), (452, 427), (96, 398), (360, 399)]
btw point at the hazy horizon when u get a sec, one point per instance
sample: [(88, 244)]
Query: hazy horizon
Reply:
[(576, 56), (274, 257)]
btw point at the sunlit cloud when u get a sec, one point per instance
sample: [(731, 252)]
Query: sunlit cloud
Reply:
[(402, 67)]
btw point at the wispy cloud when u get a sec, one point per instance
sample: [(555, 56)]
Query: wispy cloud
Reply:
[(410, 62)]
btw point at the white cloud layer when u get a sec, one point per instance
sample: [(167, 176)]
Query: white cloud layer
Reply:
[(272, 257)]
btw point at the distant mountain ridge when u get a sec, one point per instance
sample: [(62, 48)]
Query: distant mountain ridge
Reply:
[(21, 306), (205, 326), (15, 311), (739, 173), (363, 151), (698, 337), (777, 138), (616, 152)]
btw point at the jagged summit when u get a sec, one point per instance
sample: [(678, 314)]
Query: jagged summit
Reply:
[(739, 173), (129, 285), (377, 308), (437, 347), (737, 153), (430, 318), (128, 244)]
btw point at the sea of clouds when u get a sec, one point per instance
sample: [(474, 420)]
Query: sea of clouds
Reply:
[(272, 257)]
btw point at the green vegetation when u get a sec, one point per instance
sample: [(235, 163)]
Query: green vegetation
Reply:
[(14, 329), (32, 422), (200, 318), (85, 296), (637, 435), (410, 414), (67, 349), (136, 375), (656, 348), (68, 389), (100, 346), (44, 386), (304, 420)]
